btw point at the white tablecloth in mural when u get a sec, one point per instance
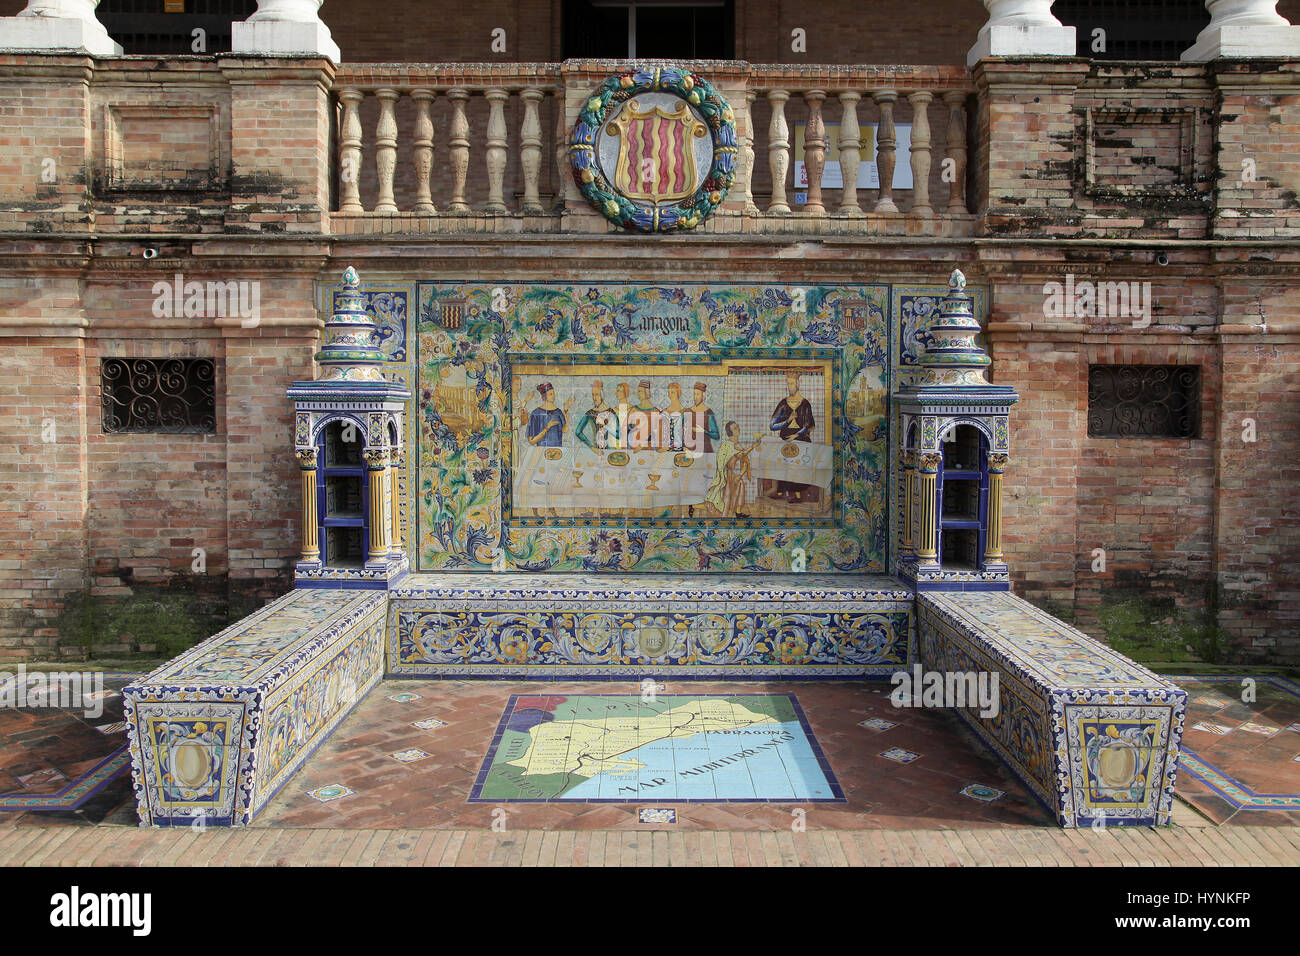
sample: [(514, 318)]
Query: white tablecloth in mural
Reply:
[(585, 478), (807, 463)]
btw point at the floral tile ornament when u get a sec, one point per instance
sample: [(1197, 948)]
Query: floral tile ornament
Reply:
[(334, 791), (660, 815), (1254, 727), (408, 756), (404, 698), (983, 794), (429, 723), (1211, 700), (899, 755), (877, 723), (1217, 729)]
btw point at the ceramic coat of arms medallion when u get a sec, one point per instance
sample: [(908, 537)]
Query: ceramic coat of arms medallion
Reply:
[(654, 149)]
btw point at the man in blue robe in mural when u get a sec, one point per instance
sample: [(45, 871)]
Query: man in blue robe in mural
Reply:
[(546, 422)]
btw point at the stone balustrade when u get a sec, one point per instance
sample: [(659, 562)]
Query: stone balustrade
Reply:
[(460, 147)]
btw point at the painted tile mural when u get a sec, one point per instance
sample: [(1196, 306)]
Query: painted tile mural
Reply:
[(608, 427)]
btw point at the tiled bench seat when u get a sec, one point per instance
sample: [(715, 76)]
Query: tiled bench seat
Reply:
[(1092, 734), (624, 627), (216, 732)]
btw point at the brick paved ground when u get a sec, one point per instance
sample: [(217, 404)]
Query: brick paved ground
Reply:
[(1169, 846)]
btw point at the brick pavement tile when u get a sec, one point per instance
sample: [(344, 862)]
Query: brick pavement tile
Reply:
[(872, 847), (1172, 850), (1289, 836), (834, 851), (847, 847), (1222, 845), (706, 848), (755, 852), (596, 848), (1147, 846), (564, 848), (309, 849), (13, 840), (532, 846), (550, 842), (1006, 846), (1249, 839), (177, 844), (468, 852), (1085, 852), (266, 841), (1192, 847), (74, 849), (364, 852), (386, 850), (1281, 850), (451, 850), (40, 853), (771, 848)]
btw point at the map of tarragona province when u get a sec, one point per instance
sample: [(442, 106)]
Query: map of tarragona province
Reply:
[(622, 748)]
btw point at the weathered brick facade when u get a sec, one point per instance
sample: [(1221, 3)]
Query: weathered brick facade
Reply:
[(1202, 529)]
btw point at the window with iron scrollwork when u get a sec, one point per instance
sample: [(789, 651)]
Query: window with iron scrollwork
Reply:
[(1144, 401), (158, 395)]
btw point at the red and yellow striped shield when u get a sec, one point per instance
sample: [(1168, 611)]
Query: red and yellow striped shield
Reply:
[(656, 161)]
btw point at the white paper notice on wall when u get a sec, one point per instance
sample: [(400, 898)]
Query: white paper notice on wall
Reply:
[(868, 174)]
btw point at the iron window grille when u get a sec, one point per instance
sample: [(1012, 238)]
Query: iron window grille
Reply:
[(1144, 401), (158, 395)]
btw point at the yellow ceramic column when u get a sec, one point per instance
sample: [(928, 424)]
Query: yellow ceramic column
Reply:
[(993, 543), (395, 534), (310, 528), (377, 515), (909, 489), (927, 535)]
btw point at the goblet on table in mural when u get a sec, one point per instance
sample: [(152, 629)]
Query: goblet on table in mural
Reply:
[(662, 458)]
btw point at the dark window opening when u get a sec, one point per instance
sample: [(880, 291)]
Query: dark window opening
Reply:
[(158, 395), (151, 28), (1133, 29), (649, 29), (1144, 401)]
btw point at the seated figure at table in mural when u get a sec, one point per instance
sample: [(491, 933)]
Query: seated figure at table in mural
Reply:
[(727, 491), (670, 420), (600, 420), (642, 419), (793, 421), (546, 422), (699, 426)]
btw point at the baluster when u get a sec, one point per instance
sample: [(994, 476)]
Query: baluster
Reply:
[(458, 146), (386, 149), (747, 155), (530, 150), (350, 152), (920, 153), (885, 140), (778, 150), (814, 152), (563, 174), (496, 149), (956, 150), (423, 152), (850, 152)]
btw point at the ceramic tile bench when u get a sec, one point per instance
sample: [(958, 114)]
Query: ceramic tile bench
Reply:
[(1093, 735), (625, 627), (217, 731)]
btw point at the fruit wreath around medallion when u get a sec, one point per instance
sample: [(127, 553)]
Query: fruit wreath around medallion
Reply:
[(654, 149)]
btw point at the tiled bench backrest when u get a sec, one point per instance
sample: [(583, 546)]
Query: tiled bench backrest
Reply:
[(217, 731), (1093, 735), (636, 626)]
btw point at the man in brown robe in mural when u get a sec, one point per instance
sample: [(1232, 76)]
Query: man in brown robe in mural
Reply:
[(793, 421)]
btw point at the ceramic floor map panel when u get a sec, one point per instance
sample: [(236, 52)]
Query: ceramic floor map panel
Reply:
[(676, 748)]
